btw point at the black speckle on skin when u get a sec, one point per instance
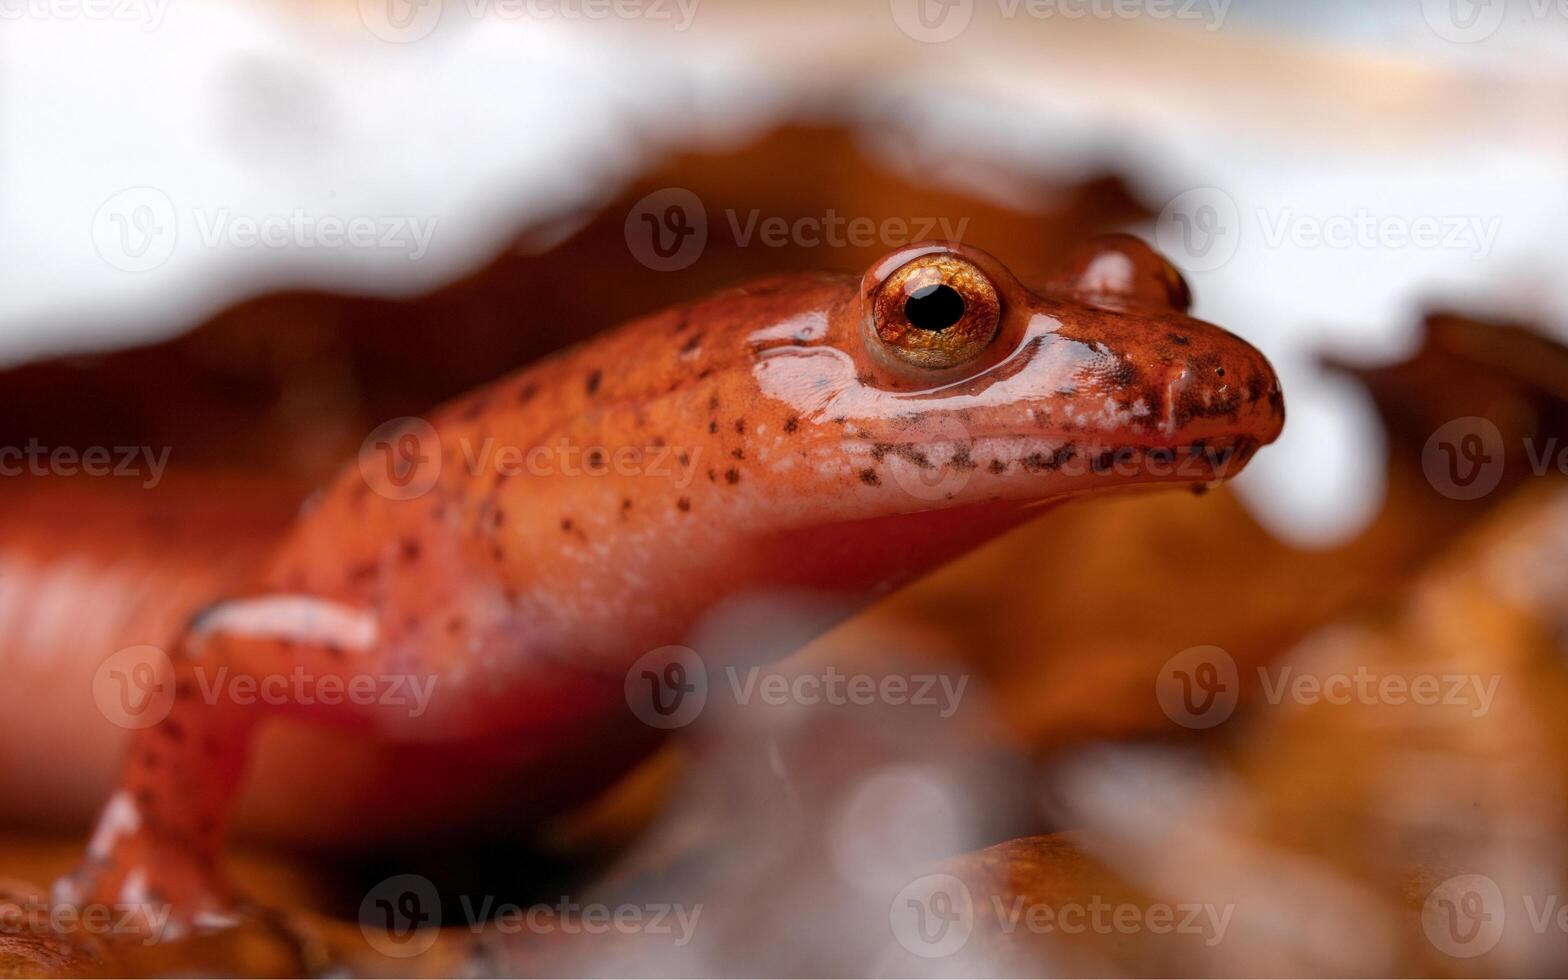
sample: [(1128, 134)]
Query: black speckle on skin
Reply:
[(594, 377), (497, 518), (626, 503), (997, 466), (961, 459), (566, 525), (411, 549), (713, 475), (740, 427), (596, 458), (738, 453), (1177, 338), (1254, 388), (1103, 461), (713, 427), (526, 393), (713, 403), (869, 477), (684, 458), (791, 424), (692, 343), (1123, 375), (732, 475), (683, 504), (1041, 462)]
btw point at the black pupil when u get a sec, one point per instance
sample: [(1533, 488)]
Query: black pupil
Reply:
[(934, 307)]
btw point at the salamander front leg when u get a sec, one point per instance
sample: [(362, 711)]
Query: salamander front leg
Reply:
[(154, 855)]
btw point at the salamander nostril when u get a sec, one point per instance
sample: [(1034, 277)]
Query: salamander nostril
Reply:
[(936, 306), (1219, 372)]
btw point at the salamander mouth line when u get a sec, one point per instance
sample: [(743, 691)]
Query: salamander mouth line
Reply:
[(1008, 453)]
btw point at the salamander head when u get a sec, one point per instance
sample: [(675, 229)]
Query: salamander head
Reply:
[(943, 381)]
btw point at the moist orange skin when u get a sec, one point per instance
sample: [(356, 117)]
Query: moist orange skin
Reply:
[(595, 506)]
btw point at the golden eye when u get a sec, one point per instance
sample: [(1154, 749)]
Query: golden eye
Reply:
[(938, 311)]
